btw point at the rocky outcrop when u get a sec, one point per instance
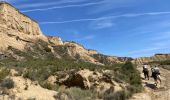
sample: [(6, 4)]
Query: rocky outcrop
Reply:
[(55, 40), (108, 60), (156, 57), (87, 79), (16, 29), (79, 52)]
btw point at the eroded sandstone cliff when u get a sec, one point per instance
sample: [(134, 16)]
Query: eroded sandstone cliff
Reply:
[(16, 29), (156, 57)]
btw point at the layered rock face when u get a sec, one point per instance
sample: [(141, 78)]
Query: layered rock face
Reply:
[(156, 57), (55, 40), (79, 52), (16, 29)]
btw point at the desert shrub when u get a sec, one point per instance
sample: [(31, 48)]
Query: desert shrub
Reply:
[(49, 86), (3, 73), (130, 74), (120, 95), (40, 74), (7, 83), (77, 94), (165, 62)]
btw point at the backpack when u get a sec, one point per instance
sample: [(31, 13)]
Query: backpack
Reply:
[(156, 70), (145, 68)]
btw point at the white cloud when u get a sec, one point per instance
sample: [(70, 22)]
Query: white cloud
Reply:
[(111, 4), (101, 24), (130, 15), (59, 7), (45, 4), (11, 1)]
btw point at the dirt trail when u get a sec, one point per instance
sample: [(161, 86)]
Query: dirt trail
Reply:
[(151, 92)]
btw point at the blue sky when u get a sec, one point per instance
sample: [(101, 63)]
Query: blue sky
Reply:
[(114, 27)]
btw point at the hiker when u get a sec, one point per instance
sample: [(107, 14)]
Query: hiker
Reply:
[(156, 75), (152, 70), (146, 71)]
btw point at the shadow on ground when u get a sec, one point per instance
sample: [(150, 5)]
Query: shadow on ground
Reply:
[(152, 86)]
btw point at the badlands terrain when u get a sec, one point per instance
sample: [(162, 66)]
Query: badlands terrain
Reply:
[(38, 67)]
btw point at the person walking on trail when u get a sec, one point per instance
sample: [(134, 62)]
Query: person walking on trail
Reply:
[(156, 75), (146, 71)]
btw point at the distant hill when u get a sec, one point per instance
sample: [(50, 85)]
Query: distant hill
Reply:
[(155, 58)]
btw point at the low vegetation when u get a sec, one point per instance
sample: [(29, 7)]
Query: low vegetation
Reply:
[(3, 73), (164, 64), (7, 83), (40, 69), (129, 74), (75, 93)]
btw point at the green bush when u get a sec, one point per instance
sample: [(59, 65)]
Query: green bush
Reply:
[(7, 83), (131, 75), (49, 86), (76, 94), (165, 62), (3, 73), (120, 95)]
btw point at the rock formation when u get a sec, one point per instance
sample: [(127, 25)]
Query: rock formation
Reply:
[(156, 57), (87, 79), (16, 29)]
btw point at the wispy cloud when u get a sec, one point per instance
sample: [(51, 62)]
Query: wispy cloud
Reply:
[(130, 15), (101, 24), (112, 4), (157, 43), (59, 7), (45, 4), (10, 1), (160, 31)]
